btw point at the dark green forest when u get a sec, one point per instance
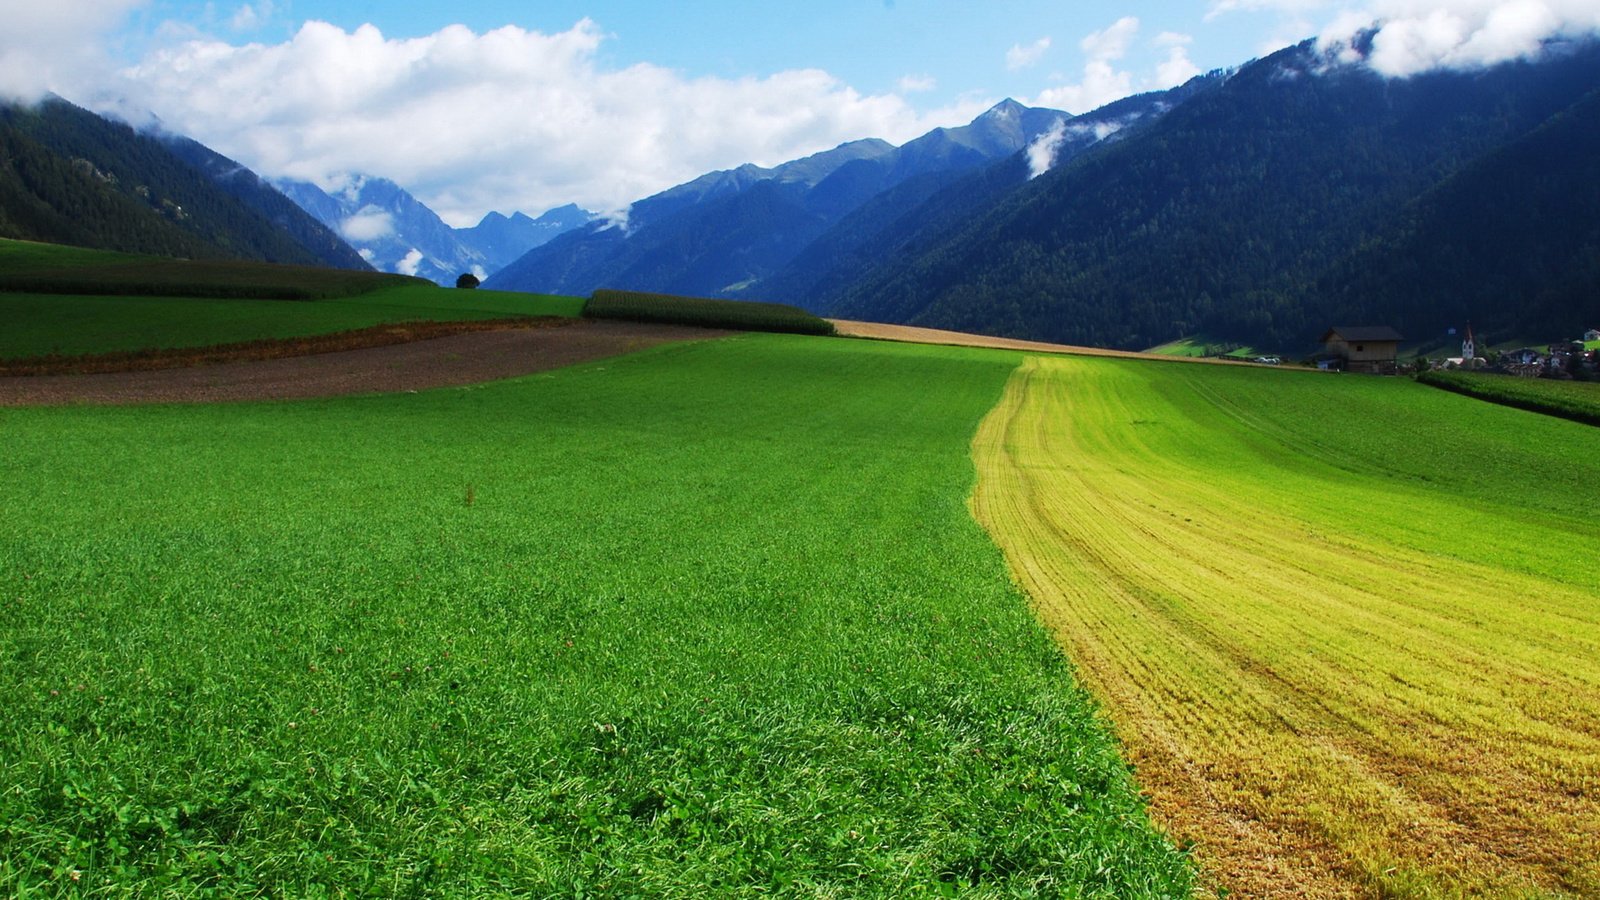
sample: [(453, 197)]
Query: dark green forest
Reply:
[(1293, 196), (69, 176)]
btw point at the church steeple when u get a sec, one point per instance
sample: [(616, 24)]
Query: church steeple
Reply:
[(1469, 349)]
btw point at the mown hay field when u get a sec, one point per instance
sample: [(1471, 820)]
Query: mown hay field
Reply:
[(1348, 628), (712, 619)]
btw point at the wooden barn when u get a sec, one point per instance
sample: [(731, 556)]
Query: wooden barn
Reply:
[(1364, 348)]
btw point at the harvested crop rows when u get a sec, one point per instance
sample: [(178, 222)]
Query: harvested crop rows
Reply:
[(1347, 628)]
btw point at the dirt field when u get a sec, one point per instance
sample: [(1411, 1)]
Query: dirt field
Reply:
[(439, 362)]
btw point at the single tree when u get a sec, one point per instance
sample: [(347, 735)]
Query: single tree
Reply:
[(467, 281)]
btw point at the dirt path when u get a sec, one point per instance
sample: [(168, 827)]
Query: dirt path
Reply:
[(915, 335), (439, 362)]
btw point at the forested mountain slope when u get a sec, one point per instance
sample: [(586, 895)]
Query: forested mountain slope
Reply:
[(1243, 211), (69, 176)]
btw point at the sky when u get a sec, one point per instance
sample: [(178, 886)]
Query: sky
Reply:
[(482, 105)]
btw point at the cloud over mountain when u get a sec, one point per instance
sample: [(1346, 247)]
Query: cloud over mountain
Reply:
[(1418, 35), (537, 119)]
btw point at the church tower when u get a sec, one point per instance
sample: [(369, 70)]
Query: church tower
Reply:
[(1469, 349)]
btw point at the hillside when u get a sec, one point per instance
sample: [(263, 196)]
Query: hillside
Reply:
[(1236, 213), (69, 176), (724, 233), (396, 232)]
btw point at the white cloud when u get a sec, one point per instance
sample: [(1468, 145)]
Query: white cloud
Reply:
[(1042, 152), (55, 45), (1418, 35), (508, 119), (916, 84), (1020, 57), (1177, 67), (1102, 82), (410, 264), (1112, 43), (251, 16), (369, 224)]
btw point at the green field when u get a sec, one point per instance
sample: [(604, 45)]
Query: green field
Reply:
[(57, 324), (711, 619), (28, 267), (1576, 400), (1346, 627), (1201, 346)]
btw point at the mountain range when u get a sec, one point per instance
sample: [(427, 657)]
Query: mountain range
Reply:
[(396, 232), (1258, 205), (733, 233)]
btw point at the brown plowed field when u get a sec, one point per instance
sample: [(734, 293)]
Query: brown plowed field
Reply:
[(439, 362)]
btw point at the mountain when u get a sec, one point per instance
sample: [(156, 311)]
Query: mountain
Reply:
[(391, 229), (724, 233), (69, 176), (886, 226), (1298, 192), (258, 194), (502, 239), (396, 232)]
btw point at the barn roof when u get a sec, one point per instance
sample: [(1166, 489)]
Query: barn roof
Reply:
[(1363, 333)]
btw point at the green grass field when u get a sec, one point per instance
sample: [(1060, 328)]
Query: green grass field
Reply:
[(1576, 400), (1200, 346), (1345, 626), (712, 619), (46, 324)]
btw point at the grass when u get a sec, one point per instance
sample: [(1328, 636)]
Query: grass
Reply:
[(711, 619), (28, 267), (45, 324), (1202, 346), (1575, 400), (1346, 627), (739, 315)]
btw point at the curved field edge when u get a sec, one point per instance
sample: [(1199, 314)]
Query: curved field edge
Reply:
[(1340, 624), (708, 619), (1578, 401), (63, 325)]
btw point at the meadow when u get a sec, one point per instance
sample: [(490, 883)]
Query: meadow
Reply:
[(126, 309), (67, 325), (708, 619), (1575, 400), (1345, 627)]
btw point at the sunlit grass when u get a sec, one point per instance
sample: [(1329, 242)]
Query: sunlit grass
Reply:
[(1347, 627), (708, 620)]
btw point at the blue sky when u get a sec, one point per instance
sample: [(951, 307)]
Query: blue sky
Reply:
[(497, 105), (874, 46)]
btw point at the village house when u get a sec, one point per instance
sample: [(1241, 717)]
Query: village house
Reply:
[(1370, 349)]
